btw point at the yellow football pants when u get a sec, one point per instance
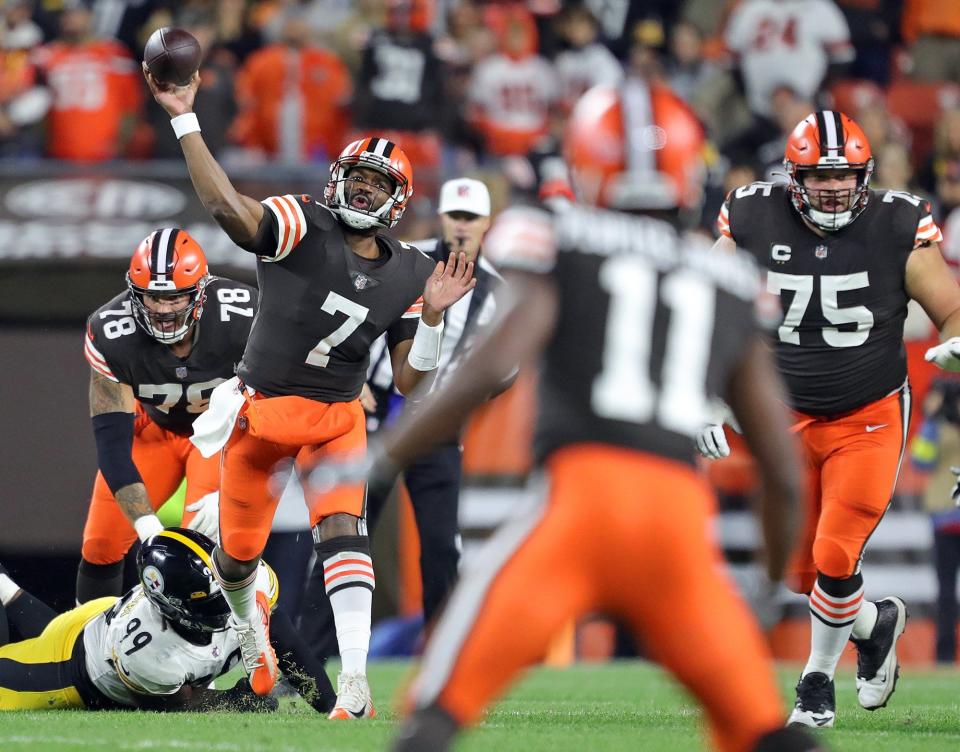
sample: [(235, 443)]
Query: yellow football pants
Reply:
[(36, 674)]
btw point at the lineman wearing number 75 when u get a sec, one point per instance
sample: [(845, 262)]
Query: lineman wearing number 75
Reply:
[(156, 352), (330, 284), (844, 261)]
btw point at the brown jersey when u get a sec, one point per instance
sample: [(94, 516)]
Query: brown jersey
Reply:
[(843, 297), (322, 305), (650, 326), (172, 390)]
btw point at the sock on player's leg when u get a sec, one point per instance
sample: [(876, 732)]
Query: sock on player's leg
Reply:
[(349, 581), (834, 604), (99, 580)]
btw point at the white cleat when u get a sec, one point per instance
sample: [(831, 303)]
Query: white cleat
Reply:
[(353, 698), (256, 652), (877, 667)]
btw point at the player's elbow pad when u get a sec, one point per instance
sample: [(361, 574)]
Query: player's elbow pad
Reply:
[(113, 433)]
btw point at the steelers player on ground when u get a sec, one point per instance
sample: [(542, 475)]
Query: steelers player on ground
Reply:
[(844, 261), (156, 351), (637, 329), (158, 647), (330, 284)]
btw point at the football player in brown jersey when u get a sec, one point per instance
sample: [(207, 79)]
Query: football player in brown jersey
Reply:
[(844, 261), (636, 330), (153, 366), (330, 284)]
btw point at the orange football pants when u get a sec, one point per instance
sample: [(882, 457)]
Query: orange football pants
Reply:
[(267, 431), (623, 533), (163, 460), (852, 465)]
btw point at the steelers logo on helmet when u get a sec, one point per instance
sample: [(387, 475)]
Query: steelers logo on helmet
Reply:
[(176, 573), (152, 579), (829, 163), (166, 280), (371, 183)]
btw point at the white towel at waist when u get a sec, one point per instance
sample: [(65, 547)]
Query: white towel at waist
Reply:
[(212, 428)]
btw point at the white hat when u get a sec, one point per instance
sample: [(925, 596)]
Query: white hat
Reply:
[(466, 195)]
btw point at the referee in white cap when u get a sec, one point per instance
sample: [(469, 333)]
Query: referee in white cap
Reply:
[(434, 482)]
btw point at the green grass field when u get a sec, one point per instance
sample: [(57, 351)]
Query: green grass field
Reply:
[(611, 708)]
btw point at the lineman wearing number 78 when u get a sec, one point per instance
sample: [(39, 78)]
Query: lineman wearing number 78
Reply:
[(156, 352), (330, 284), (844, 261)]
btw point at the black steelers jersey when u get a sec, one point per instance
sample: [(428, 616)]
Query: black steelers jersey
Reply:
[(322, 306), (650, 326), (172, 390), (843, 297)]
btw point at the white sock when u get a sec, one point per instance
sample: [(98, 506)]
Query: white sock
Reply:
[(350, 582), (240, 596), (8, 589), (351, 612), (831, 619), (866, 621)]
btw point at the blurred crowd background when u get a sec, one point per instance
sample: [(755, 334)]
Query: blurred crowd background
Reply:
[(89, 165)]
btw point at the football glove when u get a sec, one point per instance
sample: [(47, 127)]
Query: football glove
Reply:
[(946, 355), (712, 442), (207, 520)]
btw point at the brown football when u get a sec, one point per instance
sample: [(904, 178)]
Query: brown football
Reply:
[(172, 55)]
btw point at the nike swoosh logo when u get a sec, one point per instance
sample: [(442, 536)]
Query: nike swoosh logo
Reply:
[(871, 429)]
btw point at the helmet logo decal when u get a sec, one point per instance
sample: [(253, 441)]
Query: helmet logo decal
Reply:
[(152, 579)]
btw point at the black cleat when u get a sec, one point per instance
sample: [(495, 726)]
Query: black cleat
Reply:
[(816, 705)]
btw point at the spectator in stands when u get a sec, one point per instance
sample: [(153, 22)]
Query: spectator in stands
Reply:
[(293, 98), (894, 171), (879, 125), (583, 62), (936, 448), (874, 29), (96, 91), (466, 41), (218, 105), (686, 69), (513, 92), (23, 104), (789, 43), (932, 28), (400, 84), (762, 144)]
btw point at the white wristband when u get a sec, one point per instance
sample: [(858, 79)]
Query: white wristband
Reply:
[(147, 525), (425, 352), (184, 124)]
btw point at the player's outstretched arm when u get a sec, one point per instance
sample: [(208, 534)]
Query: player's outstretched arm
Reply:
[(757, 397), (112, 413), (516, 337), (414, 359), (237, 214)]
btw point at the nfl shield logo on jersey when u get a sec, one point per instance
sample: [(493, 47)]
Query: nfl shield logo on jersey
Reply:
[(820, 251), (181, 372), (361, 281)]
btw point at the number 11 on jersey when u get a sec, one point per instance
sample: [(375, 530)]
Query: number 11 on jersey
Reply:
[(624, 389)]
